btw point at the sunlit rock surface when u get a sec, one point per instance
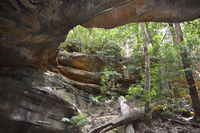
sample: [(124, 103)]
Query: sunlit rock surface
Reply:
[(85, 70), (145, 11), (31, 30)]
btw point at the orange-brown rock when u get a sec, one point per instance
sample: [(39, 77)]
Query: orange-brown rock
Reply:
[(86, 62), (81, 61), (145, 11), (87, 87), (87, 69), (81, 75), (32, 30)]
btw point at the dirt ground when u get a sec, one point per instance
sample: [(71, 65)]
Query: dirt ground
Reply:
[(102, 112)]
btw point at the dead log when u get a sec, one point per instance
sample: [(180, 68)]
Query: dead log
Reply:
[(123, 120), (125, 109), (126, 119), (181, 122)]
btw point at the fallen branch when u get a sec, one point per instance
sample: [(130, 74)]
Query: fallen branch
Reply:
[(123, 120), (185, 123)]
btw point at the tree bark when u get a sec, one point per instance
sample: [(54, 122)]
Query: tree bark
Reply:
[(188, 73), (147, 65)]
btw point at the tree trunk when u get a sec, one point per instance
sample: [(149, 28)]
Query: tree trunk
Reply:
[(123, 120), (188, 73), (173, 37), (125, 110), (147, 65)]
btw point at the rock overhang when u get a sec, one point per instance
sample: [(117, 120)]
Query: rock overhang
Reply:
[(31, 31)]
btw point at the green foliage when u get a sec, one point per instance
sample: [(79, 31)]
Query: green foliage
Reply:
[(167, 113), (97, 99), (134, 91), (167, 74), (179, 105), (198, 119), (139, 91), (160, 107), (95, 41), (176, 105), (78, 120), (63, 45), (109, 80)]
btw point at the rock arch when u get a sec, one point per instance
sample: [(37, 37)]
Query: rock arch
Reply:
[(31, 30), (30, 33)]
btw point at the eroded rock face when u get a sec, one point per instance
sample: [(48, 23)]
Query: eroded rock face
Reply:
[(80, 75), (145, 11), (85, 71), (81, 61), (31, 30), (33, 101)]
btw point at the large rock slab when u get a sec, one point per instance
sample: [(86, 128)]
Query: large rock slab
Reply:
[(33, 101), (81, 75), (81, 61), (145, 11), (87, 62), (85, 71)]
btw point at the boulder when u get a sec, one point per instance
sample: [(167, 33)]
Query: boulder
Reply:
[(87, 62), (81, 61), (81, 75), (87, 87)]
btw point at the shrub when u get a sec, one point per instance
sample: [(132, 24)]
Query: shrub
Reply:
[(78, 120)]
